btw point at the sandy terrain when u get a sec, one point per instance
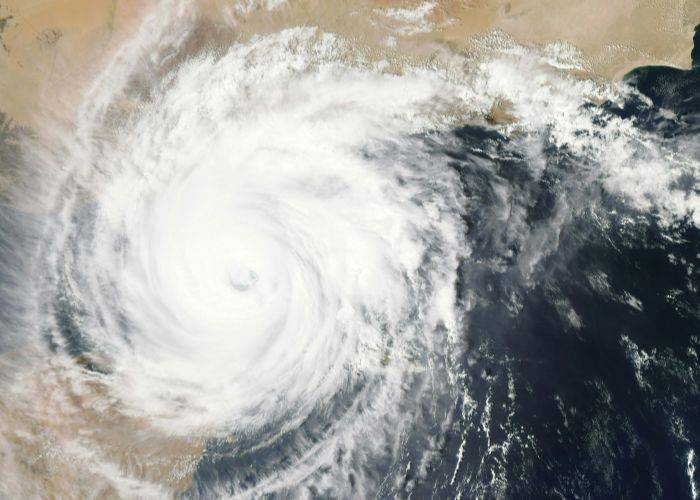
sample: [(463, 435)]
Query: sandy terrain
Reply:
[(614, 36), (49, 46), (68, 438), (50, 49)]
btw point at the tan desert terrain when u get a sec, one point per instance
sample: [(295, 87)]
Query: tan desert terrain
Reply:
[(51, 49)]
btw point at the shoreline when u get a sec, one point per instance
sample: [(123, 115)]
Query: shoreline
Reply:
[(52, 47)]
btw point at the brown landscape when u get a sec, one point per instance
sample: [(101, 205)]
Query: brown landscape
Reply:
[(51, 49)]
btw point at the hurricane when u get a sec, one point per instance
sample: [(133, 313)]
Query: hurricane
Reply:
[(288, 265)]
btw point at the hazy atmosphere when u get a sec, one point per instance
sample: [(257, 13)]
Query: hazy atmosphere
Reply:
[(364, 249)]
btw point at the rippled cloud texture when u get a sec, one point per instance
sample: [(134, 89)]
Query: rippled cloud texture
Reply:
[(257, 253)]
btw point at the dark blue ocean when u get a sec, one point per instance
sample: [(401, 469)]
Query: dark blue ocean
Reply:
[(581, 372)]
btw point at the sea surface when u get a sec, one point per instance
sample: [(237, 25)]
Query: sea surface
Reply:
[(290, 272)]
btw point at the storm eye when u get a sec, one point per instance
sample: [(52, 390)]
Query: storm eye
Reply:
[(358, 249), (242, 278)]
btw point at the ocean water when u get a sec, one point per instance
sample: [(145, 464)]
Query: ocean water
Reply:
[(288, 272)]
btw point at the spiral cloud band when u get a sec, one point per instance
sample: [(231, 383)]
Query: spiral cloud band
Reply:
[(263, 243), (260, 253)]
